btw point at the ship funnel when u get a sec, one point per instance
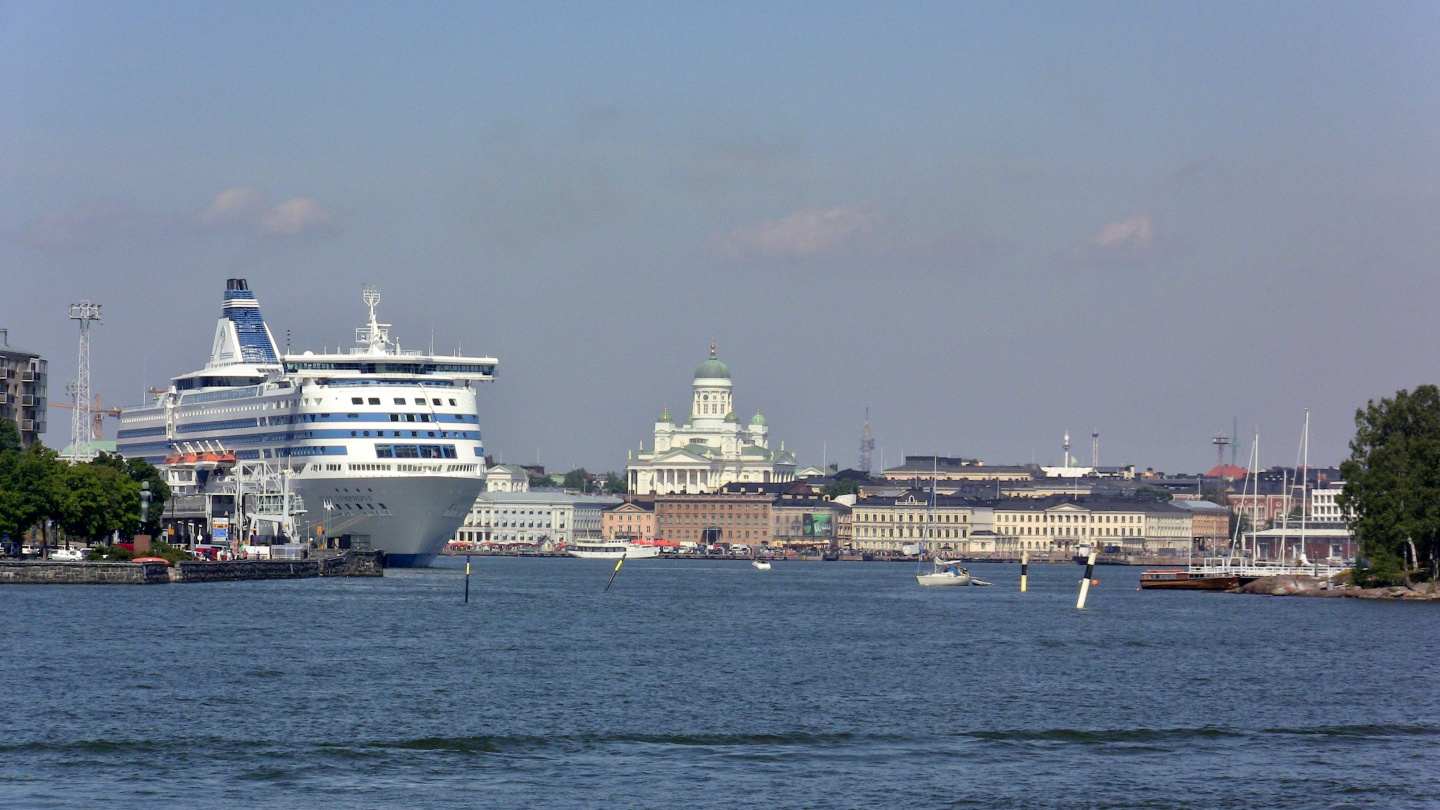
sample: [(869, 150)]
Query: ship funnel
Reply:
[(236, 284)]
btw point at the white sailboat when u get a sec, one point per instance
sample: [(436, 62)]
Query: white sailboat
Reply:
[(947, 573)]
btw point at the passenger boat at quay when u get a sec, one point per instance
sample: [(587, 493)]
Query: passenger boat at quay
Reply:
[(613, 550), (382, 445), (1182, 579)]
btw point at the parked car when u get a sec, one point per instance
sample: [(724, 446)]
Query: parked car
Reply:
[(68, 554)]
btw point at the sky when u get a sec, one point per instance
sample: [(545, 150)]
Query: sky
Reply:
[(987, 223)]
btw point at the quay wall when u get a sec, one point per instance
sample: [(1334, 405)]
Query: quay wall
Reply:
[(349, 564), (38, 572)]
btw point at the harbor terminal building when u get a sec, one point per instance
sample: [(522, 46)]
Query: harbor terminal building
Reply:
[(711, 447)]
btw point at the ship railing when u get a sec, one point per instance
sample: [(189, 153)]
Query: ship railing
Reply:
[(1242, 567)]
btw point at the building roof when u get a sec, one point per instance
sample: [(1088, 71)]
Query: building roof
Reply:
[(548, 496), (1227, 471), (634, 506), (1199, 506)]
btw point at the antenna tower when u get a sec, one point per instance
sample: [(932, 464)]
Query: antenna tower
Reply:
[(80, 448), (867, 445), (1067, 448), (1095, 448)]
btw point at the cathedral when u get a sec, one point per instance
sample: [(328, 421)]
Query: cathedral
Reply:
[(710, 448)]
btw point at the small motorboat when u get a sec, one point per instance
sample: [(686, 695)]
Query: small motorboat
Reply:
[(760, 565)]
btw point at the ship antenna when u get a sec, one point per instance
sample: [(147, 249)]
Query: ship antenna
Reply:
[(376, 334)]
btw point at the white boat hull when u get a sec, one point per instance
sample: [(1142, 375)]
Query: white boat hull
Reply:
[(629, 552), (760, 565), (943, 578)]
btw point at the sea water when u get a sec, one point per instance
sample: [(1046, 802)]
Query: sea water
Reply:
[(710, 684)]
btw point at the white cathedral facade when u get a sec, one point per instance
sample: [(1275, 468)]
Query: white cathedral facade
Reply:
[(711, 448)]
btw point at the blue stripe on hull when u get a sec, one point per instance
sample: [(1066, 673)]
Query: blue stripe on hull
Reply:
[(409, 560)]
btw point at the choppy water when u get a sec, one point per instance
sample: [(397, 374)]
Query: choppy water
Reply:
[(694, 684)]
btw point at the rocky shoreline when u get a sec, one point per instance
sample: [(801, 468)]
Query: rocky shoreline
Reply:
[(1314, 586)]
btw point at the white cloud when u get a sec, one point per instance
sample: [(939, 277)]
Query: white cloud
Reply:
[(297, 216), (236, 207), (1132, 240), (242, 210), (806, 233)]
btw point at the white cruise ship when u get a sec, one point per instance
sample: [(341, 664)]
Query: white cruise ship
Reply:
[(383, 445)]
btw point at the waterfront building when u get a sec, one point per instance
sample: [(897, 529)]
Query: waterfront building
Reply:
[(1209, 523), (1324, 506), (1132, 525), (810, 522), (24, 377), (507, 478), (717, 517), (632, 520), (544, 519), (891, 524), (711, 448)]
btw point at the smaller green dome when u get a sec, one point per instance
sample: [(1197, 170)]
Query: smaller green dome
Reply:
[(757, 419), (665, 415), (731, 417)]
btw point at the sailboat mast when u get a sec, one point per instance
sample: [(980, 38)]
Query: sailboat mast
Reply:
[(1304, 484)]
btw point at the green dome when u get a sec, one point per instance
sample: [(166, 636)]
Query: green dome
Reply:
[(731, 417), (665, 415), (712, 369), (757, 419)]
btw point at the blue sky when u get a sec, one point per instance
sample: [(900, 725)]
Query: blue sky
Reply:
[(989, 223)]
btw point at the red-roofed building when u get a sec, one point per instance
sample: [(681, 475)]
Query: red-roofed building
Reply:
[(1229, 472)]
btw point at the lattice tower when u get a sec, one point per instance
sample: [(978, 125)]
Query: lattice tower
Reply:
[(83, 415)]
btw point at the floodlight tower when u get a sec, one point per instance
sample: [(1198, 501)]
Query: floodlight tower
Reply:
[(1221, 441), (867, 445), (1095, 448), (1067, 448), (80, 449)]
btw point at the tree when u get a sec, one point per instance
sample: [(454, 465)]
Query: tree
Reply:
[(93, 500), (9, 436), (578, 479), (842, 486), (140, 471), (1392, 487), (615, 484), (27, 489)]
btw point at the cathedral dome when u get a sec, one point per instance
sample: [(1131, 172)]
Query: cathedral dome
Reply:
[(757, 419), (731, 417), (712, 369)]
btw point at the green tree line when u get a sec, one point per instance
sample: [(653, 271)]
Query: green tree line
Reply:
[(87, 501)]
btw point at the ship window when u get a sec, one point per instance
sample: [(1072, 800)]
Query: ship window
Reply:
[(436, 402), (452, 402), (399, 400), (374, 400), (394, 417), (355, 400), (352, 416), (419, 400)]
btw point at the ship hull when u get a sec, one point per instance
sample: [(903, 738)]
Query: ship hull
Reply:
[(410, 518)]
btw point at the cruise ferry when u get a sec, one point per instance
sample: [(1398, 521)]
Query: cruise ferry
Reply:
[(382, 444)]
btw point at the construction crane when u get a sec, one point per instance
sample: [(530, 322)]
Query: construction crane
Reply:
[(97, 413)]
